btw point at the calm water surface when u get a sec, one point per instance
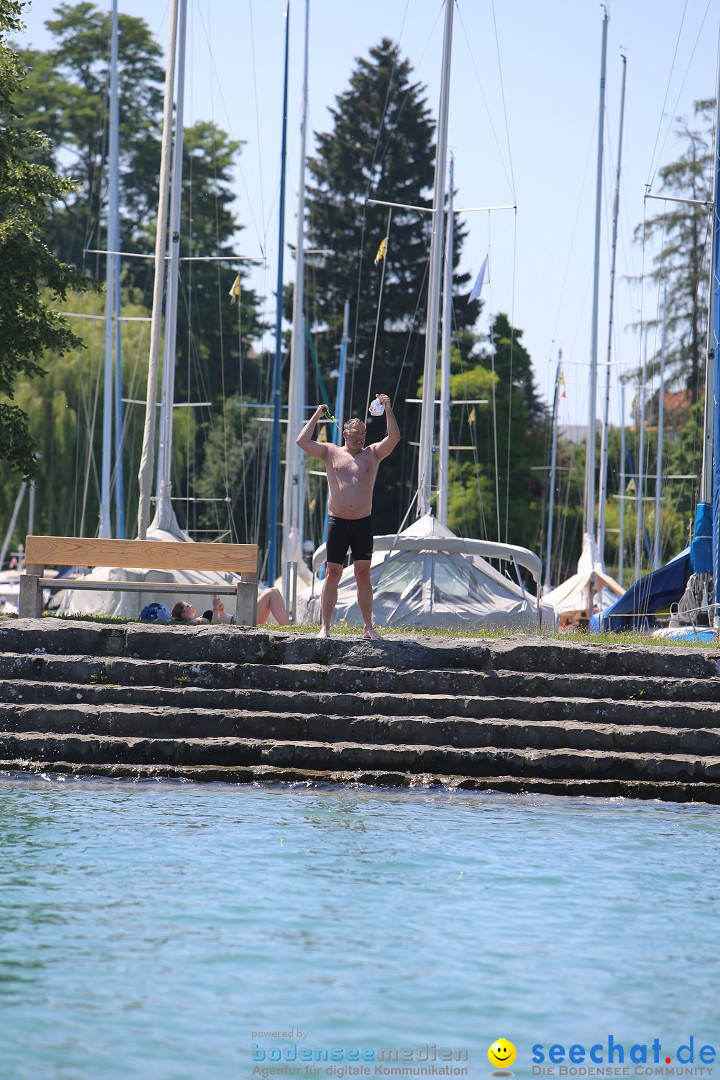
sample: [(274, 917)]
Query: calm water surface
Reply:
[(148, 930)]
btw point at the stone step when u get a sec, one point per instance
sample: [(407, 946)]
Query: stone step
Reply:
[(133, 722), (114, 672), (667, 790), (437, 706), (348, 756), (223, 644)]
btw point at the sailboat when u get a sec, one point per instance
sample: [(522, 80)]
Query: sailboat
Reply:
[(425, 576)]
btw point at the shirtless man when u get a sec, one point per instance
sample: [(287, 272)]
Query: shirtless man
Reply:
[(351, 471)]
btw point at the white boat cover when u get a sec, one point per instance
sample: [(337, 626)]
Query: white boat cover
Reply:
[(129, 604), (574, 594), (428, 577)]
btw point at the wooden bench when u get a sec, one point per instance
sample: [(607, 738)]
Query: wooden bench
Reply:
[(41, 551)]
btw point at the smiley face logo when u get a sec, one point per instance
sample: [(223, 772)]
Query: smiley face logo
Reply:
[(502, 1053)]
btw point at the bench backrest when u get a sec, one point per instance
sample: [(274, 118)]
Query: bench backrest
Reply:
[(147, 554)]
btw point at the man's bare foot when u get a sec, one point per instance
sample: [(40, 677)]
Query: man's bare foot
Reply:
[(371, 634), (324, 632)]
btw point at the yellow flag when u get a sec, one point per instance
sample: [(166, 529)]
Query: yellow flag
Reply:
[(235, 289), (630, 489), (471, 417), (382, 250)]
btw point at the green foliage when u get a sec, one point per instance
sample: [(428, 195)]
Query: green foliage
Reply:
[(64, 414), (506, 431), (682, 234), (29, 273), (66, 99)]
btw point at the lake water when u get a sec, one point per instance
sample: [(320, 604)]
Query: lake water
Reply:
[(171, 930)]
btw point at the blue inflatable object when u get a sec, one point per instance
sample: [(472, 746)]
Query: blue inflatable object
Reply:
[(156, 613)]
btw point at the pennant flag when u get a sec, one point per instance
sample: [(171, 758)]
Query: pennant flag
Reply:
[(561, 386), (235, 289), (382, 251), (471, 417), (477, 287)]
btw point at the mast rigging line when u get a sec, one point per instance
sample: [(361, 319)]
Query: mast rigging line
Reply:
[(682, 84), (511, 178)]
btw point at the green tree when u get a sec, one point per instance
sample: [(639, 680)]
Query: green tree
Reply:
[(65, 417), (67, 96), (380, 147), (494, 492), (67, 99), (29, 273), (681, 262)]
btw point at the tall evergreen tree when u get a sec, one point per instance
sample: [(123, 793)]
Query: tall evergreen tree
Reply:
[(681, 263), (380, 147), (29, 273)]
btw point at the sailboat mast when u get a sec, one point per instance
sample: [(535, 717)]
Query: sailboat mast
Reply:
[(443, 471), (640, 479), (602, 500), (164, 513), (111, 272), (294, 472), (277, 369), (553, 470), (589, 524), (148, 447), (621, 538), (712, 384), (706, 479), (661, 421), (427, 422)]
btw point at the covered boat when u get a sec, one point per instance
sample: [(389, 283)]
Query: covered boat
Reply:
[(590, 591), (426, 576)]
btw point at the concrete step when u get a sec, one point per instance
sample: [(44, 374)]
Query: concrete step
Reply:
[(437, 706), (116, 671), (418, 760), (131, 722), (224, 644), (218, 702), (667, 790)]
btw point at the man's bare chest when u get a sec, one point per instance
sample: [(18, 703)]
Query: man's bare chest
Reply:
[(352, 468)]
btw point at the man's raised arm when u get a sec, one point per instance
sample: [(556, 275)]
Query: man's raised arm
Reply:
[(392, 438), (305, 440)]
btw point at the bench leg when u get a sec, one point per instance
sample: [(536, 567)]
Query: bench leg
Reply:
[(31, 597), (246, 604)]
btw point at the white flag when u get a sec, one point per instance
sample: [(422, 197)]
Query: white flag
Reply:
[(477, 287)]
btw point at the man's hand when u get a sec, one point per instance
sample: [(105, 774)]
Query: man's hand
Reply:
[(305, 440)]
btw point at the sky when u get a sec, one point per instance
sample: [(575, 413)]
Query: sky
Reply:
[(523, 131)]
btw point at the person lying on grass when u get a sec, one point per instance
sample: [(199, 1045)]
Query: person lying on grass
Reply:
[(270, 602)]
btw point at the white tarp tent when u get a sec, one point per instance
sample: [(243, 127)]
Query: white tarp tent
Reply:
[(129, 604), (590, 585), (428, 577)]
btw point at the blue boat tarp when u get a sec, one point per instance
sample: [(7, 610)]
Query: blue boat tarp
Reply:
[(701, 546), (650, 594)]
